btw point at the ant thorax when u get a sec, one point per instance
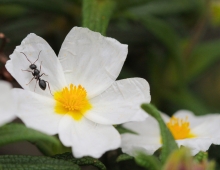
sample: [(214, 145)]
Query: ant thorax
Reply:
[(36, 72)]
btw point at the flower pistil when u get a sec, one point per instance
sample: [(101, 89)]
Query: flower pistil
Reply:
[(73, 101)]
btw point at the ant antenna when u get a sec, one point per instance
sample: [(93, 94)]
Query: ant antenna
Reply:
[(38, 56), (26, 57)]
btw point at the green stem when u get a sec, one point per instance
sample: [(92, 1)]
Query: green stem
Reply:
[(97, 13), (169, 144)]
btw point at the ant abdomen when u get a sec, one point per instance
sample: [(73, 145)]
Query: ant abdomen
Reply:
[(42, 84)]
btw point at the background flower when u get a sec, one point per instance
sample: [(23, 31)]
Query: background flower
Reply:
[(7, 105), (195, 132)]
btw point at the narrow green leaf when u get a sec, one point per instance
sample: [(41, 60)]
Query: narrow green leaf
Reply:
[(124, 157), (164, 8), (187, 100), (169, 144), (82, 161), (9, 11), (24, 25), (160, 29), (97, 13), (58, 7), (21, 162), (203, 56), (148, 162), (11, 28), (122, 130), (122, 4), (48, 145), (167, 36)]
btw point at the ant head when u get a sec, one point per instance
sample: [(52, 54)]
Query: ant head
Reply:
[(33, 66)]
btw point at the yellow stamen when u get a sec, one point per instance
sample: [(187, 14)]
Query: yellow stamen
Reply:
[(72, 101), (180, 128)]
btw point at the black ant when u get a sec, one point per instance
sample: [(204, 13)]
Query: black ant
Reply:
[(36, 75)]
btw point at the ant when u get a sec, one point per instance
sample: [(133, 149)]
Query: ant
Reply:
[(36, 74)]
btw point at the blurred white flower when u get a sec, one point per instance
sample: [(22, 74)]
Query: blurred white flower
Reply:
[(86, 99), (7, 105), (195, 132)]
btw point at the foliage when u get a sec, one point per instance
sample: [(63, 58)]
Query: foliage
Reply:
[(14, 162), (48, 145)]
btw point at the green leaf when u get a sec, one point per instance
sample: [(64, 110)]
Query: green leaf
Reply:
[(122, 130), (170, 39), (82, 161), (160, 29), (166, 35), (122, 4), (169, 144), (148, 162), (203, 56), (164, 8), (124, 157), (58, 7), (20, 162), (187, 100), (97, 13), (9, 11), (48, 145), (201, 156)]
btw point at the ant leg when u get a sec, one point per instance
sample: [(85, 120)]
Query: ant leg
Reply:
[(40, 65), (40, 70), (38, 56), (43, 74), (26, 70), (35, 86), (49, 87), (30, 81)]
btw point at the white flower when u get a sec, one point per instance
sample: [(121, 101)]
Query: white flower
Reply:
[(7, 104), (86, 99), (195, 132)]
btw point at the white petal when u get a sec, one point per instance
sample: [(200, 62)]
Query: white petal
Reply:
[(147, 139), (7, 105), (91, 60), (165, 117), (121, 102), (132, 143), (195, 144), (31, 46), (88, 138), (149, 127), (37, 111)]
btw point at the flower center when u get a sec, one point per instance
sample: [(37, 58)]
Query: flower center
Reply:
[(72, 100), (180, 128)]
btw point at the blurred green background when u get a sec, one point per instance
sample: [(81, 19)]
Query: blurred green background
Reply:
[(173, 44)]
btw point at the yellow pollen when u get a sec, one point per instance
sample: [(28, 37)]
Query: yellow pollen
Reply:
[(180, 128), (72, 101)]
